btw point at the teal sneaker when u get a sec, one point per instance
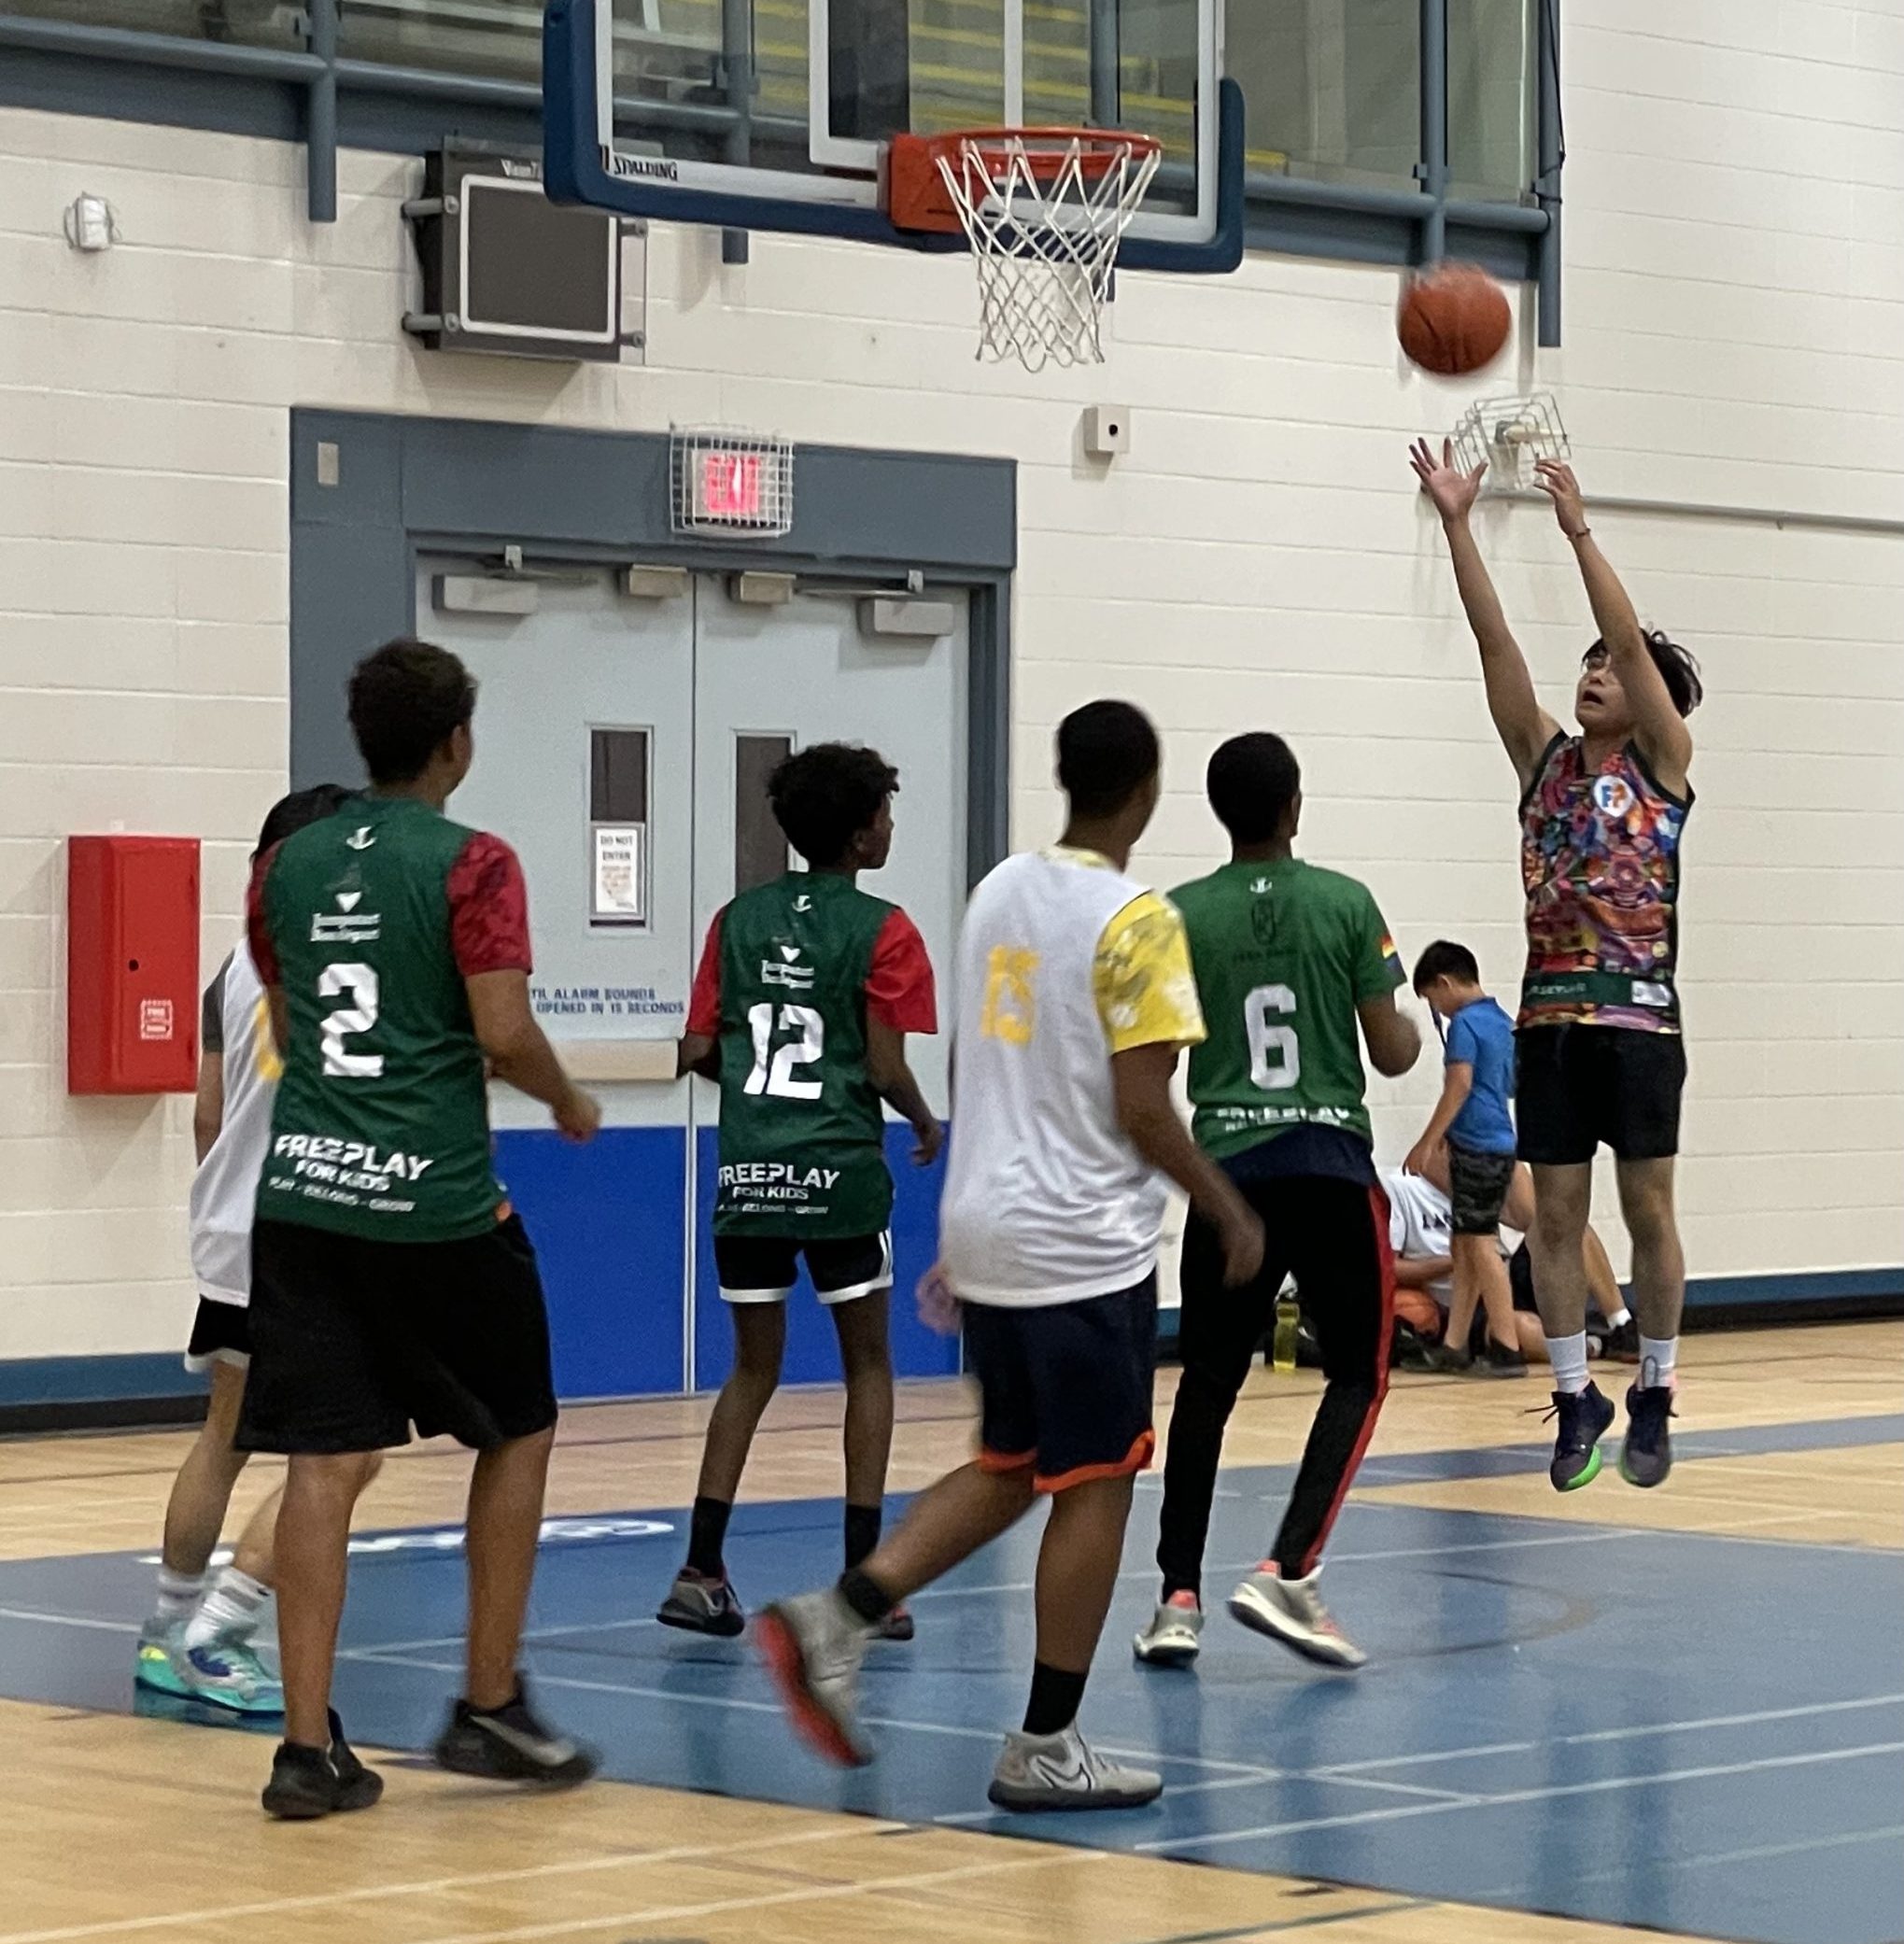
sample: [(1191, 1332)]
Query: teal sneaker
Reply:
[(162, 1647), (228, 1673)]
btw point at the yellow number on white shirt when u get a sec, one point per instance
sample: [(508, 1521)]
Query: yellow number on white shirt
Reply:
[(1011, 1010)]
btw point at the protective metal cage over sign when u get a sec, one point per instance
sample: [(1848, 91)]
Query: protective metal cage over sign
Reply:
[(738, 484), (1510, 435)]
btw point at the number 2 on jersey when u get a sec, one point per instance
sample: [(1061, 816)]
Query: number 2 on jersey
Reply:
[(1276, 1054), (774, 1076), (359, 1016)]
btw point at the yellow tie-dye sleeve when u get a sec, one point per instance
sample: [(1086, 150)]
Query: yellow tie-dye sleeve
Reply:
[(1145, 991)]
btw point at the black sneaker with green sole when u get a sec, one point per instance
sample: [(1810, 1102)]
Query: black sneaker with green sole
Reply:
[(1583, 1417)]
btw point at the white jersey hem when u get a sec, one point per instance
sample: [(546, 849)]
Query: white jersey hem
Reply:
[(990, 1297)]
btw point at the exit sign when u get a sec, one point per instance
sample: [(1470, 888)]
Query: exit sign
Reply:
[(736, 483), (729, 486)]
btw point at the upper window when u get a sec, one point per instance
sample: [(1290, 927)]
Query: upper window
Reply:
[(1333, 87)]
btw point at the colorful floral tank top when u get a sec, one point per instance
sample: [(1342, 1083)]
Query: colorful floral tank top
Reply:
[(1599, 863)]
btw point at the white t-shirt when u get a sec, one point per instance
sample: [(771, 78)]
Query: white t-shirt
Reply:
[(224, 1191), (1421, 1224), (1062, 962)]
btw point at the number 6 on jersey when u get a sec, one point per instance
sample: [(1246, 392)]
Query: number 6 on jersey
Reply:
[(1276, 1054)]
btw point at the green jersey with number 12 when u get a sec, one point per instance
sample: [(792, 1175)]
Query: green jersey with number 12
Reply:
[(791, 973), (1283, 952)]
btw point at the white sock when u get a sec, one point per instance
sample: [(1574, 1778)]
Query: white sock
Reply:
[(230, 1611), (178, 1594), (1659, 1357), (1568, 1355), (1619, 1318)]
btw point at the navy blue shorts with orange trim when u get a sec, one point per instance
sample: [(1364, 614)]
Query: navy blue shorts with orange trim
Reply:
[(1066, 1387)]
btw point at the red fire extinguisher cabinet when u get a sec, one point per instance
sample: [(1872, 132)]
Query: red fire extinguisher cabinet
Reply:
[(132, 964)]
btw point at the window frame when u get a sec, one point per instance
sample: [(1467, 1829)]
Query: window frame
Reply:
[(331, 102)]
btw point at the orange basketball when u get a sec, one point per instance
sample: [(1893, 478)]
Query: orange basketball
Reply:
[(1453, 321)]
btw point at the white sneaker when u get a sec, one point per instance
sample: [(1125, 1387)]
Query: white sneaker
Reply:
[(1292, 1611), (1064, 1771), (1172, 1639), (813, 1644)]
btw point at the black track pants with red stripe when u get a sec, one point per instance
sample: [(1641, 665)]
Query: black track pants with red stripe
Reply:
[(1332, 1236)]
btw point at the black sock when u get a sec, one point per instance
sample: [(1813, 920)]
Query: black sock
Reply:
[(707, 1533), (1056, 1698), (862, 1531), (866, 1597)]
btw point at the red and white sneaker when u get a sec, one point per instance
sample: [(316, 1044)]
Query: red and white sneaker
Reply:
[(1173, 1638), (1292, 1611)]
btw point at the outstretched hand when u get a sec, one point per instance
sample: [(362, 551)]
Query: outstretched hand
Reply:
[(1555, 478), (1452, 490)]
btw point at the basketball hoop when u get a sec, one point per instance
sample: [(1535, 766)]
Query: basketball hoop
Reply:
[(1044, 210)]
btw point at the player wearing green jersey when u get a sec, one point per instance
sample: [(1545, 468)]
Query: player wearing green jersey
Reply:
[(1290, 961), (390, 1282), (806, 990)]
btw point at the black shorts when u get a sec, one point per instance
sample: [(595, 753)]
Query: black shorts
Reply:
[(220, 1333), (1066, 1387), (354, 1341), (1577, 1086), (763, 1268), (1477, 1188), (1520, 1279)]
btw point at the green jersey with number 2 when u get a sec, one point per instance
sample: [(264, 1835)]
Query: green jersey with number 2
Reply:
[(1284, 953), (381, 1125)]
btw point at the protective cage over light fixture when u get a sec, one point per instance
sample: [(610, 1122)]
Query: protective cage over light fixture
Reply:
[(738, 484), (1510, 435)]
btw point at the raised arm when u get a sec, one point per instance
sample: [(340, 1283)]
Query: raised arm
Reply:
[(1525, 727), (1658, 727)]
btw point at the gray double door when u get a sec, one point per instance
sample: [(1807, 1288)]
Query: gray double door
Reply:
[(623, 743)]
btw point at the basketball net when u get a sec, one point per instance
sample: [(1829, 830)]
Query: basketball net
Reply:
[(1044, 212)]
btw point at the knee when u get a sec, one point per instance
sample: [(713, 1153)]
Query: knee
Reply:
[(332, 1479), (1650, 1218), (755, 1372), (1211, 1388), (1559, 1227)]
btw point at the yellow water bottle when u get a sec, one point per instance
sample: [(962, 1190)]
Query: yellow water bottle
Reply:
[(1289, 1318)]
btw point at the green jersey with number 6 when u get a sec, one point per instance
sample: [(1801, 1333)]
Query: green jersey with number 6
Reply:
[(1283, 954), (791, 972), (370, 922)]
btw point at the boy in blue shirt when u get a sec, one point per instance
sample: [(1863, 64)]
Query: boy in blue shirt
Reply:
[(1471, 1117)]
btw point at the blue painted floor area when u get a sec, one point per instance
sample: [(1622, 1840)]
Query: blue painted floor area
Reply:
[(1689, 1734)]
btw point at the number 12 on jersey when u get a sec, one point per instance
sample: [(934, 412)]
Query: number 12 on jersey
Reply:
[(775, 1068)]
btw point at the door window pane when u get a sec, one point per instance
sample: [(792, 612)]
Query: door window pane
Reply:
[(618, 827), (1333, 86), (760, 848)]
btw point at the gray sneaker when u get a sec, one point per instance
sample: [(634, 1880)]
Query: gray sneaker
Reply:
[(1065, 1772), (1173, 1638), (1292, 1611), (813, 1644)]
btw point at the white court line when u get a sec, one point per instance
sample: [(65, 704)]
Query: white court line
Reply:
[(69, 1620), (433, 1886), (1507, 1797), (528, 1933), (737, 1704), (1630, 1734)]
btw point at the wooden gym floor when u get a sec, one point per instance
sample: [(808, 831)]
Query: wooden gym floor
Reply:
[(120, 1827)]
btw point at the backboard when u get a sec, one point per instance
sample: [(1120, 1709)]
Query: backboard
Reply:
[(775, 114)]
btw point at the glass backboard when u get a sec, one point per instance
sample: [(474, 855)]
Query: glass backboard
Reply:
[(775, 114)]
